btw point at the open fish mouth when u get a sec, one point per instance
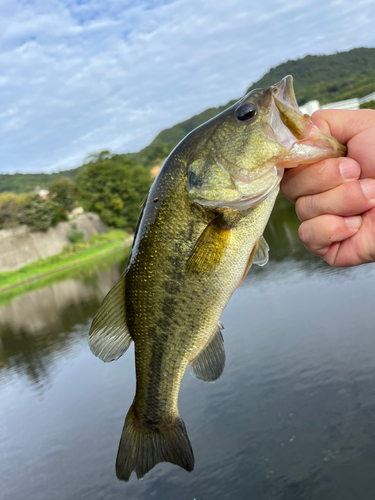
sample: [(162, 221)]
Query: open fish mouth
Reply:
[(295, 131)]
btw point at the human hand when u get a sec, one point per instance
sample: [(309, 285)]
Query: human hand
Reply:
[(335, 198)]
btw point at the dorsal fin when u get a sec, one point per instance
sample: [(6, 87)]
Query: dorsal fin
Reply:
[(109, 337), (210, 362), (142, 205)]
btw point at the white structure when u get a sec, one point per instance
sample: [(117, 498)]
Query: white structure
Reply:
[(75, 212), (41, 192), (348, 104), (367, 98), (312, 106)]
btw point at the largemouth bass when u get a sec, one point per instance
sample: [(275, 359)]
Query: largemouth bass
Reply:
[(198, 234)]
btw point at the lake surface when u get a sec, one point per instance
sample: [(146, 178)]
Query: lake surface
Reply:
[(291, 418)]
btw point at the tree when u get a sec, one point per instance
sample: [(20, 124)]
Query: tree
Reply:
[(158, 153), (114, 188), (38, 213), (9, 208), (62, 194)]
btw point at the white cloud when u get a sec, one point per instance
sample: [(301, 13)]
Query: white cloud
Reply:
[(81, 77)]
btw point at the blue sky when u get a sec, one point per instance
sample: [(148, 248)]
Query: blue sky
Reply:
[(77, 77)]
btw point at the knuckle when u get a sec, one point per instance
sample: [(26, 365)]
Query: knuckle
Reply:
[(305, 207), (353, 198), (305, 234), (332, 227)]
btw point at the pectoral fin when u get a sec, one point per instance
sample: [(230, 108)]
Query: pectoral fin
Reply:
[(210, 362), (109, 337), (258, 255), (262, 255), (210, 247)]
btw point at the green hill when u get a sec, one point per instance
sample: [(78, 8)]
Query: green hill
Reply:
[(25, 183), (328, 78)]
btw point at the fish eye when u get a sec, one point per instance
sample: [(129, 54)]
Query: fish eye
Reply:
[(246, 112)]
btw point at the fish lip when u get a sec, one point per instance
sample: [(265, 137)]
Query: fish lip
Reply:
[(284, 92)]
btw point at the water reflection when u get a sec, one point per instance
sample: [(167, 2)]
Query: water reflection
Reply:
[(41, 323), (291, 418)]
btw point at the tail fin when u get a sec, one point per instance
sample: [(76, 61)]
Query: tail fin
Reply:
[(142, 447)]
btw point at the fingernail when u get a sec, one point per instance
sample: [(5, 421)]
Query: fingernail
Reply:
[(349, 168), (354, 222), (368, 188)]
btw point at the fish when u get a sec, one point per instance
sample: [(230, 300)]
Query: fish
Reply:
[(199, 231)]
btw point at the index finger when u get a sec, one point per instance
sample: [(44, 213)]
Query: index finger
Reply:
[(343, 124)]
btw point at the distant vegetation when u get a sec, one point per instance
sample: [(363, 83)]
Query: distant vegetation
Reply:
[(110, 185), (113, 185), (368, 105), (25, 183), (114, 188), (39, 213)]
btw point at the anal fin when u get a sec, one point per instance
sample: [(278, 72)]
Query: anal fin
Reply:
[(109, 337), (210, 362)]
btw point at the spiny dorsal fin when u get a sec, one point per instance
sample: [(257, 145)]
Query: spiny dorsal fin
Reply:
[(109, 337), (262, 255), (210, 247), (210, 362), (142, 205)]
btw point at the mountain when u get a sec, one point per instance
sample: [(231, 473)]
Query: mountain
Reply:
[(327, 78), (25, 183)]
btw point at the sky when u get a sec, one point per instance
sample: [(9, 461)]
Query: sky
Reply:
[(81, 76)]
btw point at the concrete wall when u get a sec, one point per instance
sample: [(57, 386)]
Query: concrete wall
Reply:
[(42, 310), (20, 246)]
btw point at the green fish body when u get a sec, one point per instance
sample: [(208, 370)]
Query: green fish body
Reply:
[(199, 232)]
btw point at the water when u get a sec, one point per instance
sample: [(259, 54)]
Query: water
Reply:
[(291, 418)]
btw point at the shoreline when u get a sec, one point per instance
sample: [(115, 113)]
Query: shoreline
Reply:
[(75, 260)]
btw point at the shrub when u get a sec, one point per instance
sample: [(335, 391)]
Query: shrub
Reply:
[(38, 213), (114, 188), (368, 105)]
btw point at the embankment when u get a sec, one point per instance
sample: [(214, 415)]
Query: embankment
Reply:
[(20, 246)]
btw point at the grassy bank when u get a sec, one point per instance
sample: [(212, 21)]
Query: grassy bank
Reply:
[(82, 271), (72, 255)]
